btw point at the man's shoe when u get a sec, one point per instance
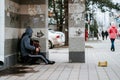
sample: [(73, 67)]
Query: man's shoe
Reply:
[(51, 62), (113, 49)]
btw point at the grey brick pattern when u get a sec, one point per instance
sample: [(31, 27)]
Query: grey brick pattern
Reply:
[(77, 57), (34, 22), (12, 21), (16, 1), (11, 46), (32, 2), (76, 44)]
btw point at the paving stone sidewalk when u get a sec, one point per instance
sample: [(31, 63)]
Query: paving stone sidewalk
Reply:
[(98, 51)]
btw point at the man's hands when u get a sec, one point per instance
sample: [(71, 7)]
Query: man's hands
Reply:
[(37, 49)]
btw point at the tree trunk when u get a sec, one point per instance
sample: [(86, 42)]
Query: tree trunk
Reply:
[(66, 22), (56, 14)]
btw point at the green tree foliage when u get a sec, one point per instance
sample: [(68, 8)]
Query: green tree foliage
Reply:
[(58, 11), (94, 28), (102, 4)]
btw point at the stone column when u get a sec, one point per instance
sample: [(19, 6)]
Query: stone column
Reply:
[(76, 31)]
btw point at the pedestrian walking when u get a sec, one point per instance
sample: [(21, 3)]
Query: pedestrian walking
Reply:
[(106, 34), (103, 34), (86, 34), (112, 34)]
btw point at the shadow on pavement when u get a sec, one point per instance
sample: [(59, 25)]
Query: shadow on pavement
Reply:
[(17, 71)]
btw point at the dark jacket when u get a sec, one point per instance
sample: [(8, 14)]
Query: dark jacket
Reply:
[(25, 45), (103, 33)]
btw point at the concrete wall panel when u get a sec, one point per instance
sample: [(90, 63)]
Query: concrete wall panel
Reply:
[(76, 31)]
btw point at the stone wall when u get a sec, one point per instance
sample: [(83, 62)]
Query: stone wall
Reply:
[(37, 22), (17, 19), (12, 29)]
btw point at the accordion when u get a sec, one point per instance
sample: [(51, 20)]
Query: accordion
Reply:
[(36, 44)]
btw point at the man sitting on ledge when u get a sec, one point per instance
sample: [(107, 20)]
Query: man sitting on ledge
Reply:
[(26, 48)]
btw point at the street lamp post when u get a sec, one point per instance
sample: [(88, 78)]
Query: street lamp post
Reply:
[(88, 22)]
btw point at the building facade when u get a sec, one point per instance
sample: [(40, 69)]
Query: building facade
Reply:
[(16, 15)]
